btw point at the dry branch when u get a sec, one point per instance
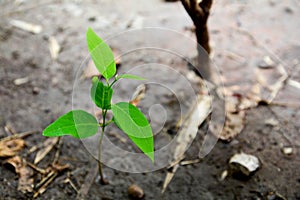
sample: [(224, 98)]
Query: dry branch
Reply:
[(199, 13)]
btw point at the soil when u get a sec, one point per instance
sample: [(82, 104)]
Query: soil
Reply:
[(242, 33)]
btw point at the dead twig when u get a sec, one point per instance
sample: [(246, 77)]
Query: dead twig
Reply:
[(9, 129), (89, 179), (20, 135), (48, 145), (40, 170), (45, 184), (56, 157), (199, 13), (68, 180), (190, 162)]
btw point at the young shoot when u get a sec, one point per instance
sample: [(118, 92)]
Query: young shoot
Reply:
[(81, 124)]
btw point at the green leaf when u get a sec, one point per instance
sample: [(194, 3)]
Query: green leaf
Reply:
[(77, 123), (133, 122), (130, 76), (101, 54), (101, 94)]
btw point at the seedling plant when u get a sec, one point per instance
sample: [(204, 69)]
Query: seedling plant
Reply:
[(81, 124)]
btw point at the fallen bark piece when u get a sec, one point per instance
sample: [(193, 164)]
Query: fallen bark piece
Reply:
[(12, 147), (25, 184), (244, 163), (135, 192), (25, 26)]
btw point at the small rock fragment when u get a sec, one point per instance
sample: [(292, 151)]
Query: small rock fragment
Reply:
[(35, 90), (288, 10), (21, 81), (266, 63), (275, 196), (287, 150), (244, 163), (54, 81), (32, 28), (54, 48), (272, 122), (92, 19), (135, 192), (136, 22), (224, 175)]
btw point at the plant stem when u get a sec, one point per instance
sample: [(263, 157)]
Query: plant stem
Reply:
[(102, 179)]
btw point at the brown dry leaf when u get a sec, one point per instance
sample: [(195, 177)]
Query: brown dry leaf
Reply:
[(235, 118), (59, 168), (47, 147), (25, 173), (11, 147)]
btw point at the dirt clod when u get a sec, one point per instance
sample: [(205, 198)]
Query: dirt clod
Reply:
[(135, 192)]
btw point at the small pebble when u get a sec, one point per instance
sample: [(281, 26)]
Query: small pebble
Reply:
[(288, 10), (272, 122), (21, 81), (92, 19), (135, 192), (224, 175), (244, 163), (275, 196), (266, 63), (35, 90), (287, 150), (15, 55)]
